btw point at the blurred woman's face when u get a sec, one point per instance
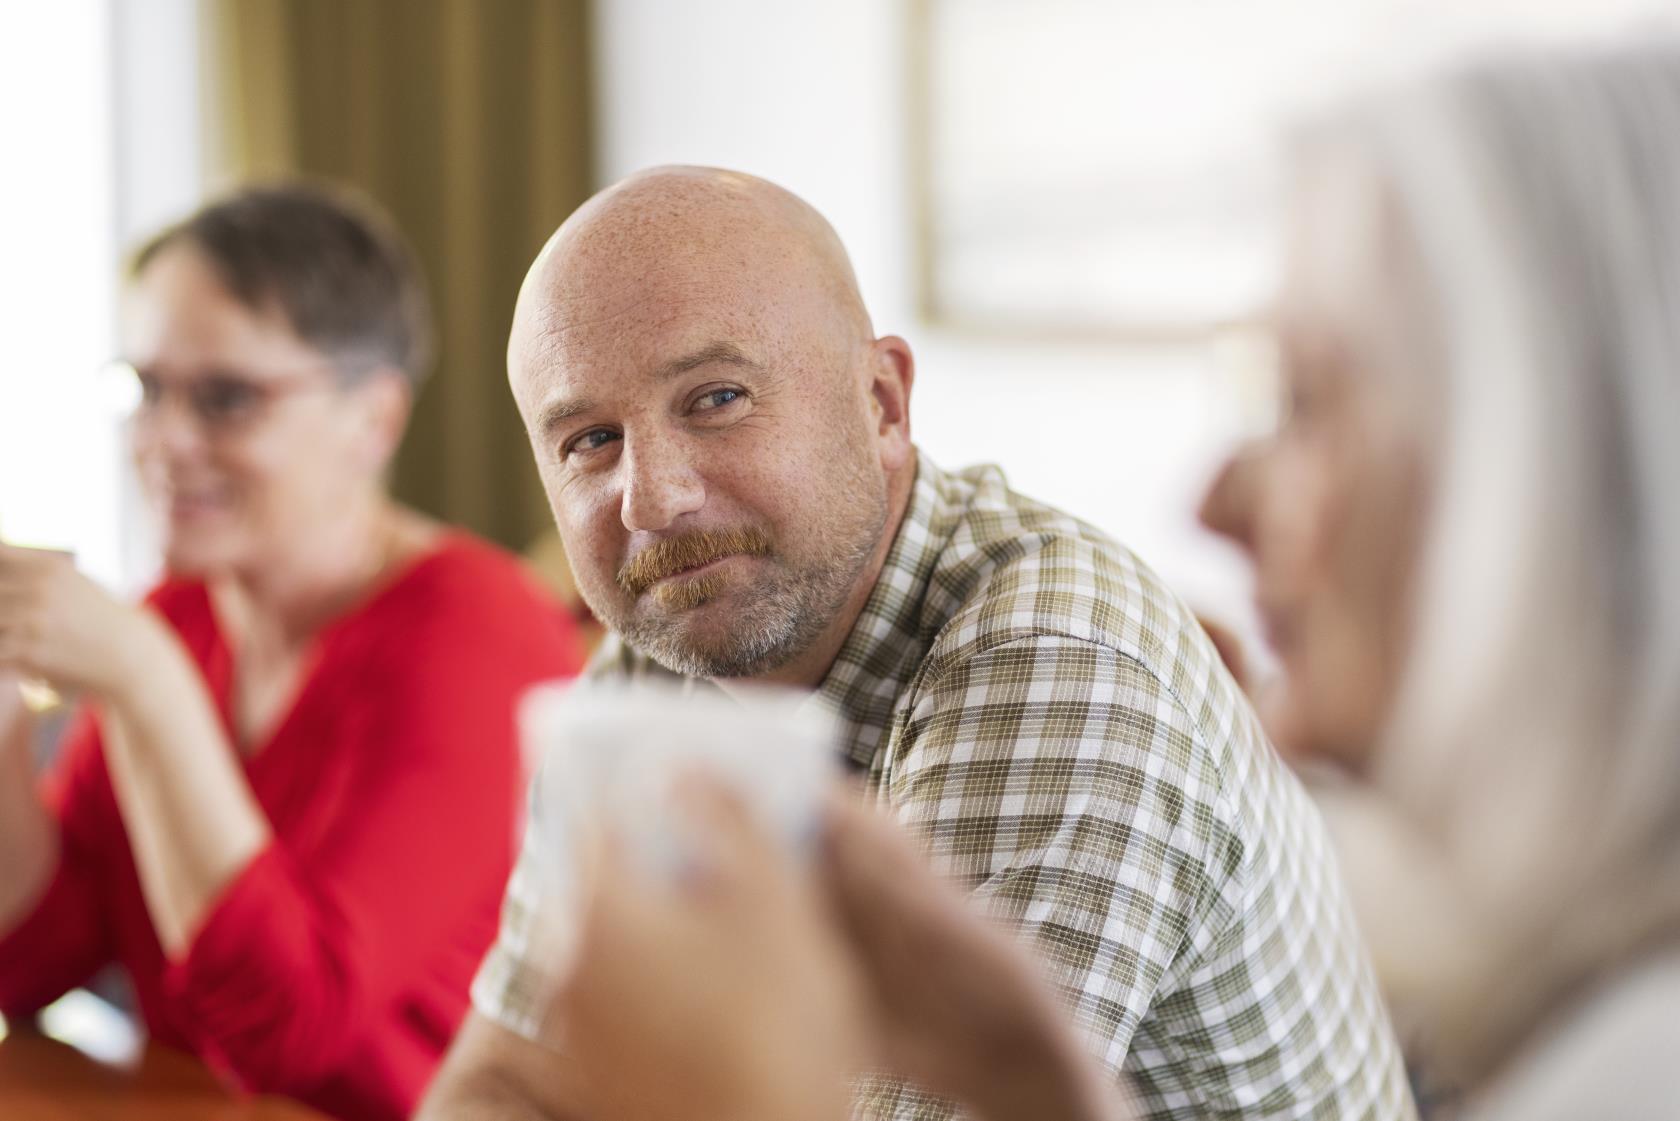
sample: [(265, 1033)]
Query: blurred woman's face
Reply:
[(245, 443), (1329, 510)]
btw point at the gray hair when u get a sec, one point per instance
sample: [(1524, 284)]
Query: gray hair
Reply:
[(326, 259), (1535, 738)]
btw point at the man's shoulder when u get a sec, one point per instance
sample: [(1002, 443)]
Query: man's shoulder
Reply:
[(1013, 569), (1040, 613)]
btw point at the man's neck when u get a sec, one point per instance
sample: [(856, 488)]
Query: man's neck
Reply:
[(808, 670)]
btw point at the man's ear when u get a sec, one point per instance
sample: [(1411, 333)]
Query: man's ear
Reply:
[(892, 370)]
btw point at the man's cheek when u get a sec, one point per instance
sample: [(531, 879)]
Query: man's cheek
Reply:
[(592, 549), (591, 562)]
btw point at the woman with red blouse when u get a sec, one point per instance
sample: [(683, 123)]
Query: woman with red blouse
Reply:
[(288, 806)]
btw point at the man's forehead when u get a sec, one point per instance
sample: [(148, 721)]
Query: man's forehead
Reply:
[(607, 308), (639, 332), (578, 306)]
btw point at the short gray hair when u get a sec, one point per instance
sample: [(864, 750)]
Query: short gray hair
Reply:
[(327, 260)]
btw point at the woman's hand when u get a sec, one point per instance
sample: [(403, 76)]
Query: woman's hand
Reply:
[(722, 991), (960, 1007), (192, 820), (58, 625), (751, 989)]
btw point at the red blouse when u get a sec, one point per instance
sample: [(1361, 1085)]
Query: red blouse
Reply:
[(334, 969)]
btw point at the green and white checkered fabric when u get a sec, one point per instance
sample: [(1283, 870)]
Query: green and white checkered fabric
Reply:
[(1025, 695)]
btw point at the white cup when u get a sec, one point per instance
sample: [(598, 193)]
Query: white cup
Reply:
[(607, 757), (39, 696)]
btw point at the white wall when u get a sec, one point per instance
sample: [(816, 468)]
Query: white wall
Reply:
[(812, 95)]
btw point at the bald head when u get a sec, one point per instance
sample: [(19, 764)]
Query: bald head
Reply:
[(725, 445), (690, 237)]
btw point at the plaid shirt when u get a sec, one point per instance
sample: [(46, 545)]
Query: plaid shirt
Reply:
[(1024, 694)]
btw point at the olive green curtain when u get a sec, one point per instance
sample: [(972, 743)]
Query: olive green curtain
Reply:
[(469, 120)]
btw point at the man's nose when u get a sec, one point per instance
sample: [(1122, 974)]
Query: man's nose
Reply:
[(661, 484)]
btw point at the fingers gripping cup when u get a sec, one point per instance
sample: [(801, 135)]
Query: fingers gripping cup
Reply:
[(608, 757)]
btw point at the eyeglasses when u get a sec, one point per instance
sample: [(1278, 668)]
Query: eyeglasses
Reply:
[(223, 403)]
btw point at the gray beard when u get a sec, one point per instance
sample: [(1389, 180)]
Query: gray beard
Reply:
[(778, 623)]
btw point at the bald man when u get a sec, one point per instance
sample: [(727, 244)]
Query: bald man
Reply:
[(726, 446)]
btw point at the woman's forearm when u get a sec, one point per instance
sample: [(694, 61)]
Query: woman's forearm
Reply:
[(191, 817), (28, 834)]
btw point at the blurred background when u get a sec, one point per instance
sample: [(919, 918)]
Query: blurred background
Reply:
[(1065, 205)]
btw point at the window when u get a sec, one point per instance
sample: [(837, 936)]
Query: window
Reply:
[(1104, 167), (60, 473), (102, 98)]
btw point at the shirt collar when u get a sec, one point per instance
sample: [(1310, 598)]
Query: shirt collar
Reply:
[(887, 643)]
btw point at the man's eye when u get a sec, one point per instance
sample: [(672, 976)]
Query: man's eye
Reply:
[(716, 398), (593, 440)]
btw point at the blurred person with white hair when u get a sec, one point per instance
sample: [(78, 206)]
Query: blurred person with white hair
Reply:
[(1465, 533)]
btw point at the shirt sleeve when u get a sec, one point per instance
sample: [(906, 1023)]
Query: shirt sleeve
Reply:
[(520, 976), (307, 949), (64, 941), (517, 982), (1062, 782)]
